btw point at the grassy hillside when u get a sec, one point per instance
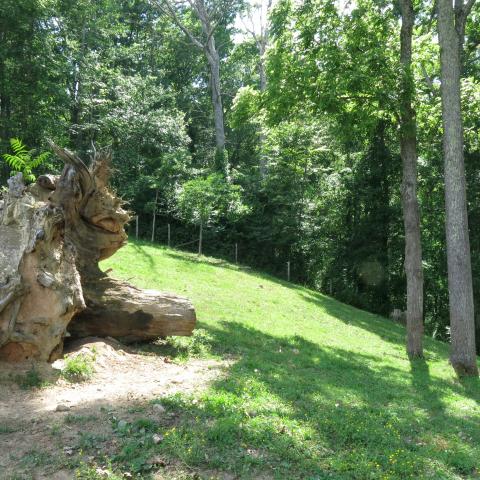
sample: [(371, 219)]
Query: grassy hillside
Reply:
[(314, 389)]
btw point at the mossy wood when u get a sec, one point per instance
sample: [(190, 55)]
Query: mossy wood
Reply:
[(53, 233)]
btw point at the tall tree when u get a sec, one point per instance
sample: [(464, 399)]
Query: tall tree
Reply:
[(257, 25), (255, 22), (411, 214), (210, 16), (451, 30)]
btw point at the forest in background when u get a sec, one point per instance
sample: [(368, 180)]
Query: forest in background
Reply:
[(310, 172)]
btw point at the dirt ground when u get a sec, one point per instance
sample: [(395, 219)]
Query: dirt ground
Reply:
[(42, 429)]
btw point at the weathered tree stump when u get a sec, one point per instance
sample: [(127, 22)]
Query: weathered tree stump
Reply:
[(52, 235)]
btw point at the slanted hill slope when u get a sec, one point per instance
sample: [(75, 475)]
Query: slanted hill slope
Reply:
[(314, 388)]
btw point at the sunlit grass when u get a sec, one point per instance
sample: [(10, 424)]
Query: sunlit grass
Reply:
[(316, 389)]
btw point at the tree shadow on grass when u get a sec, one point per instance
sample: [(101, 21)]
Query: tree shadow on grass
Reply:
[(386, 329), (300, 411), (287, 408), (139, 248)]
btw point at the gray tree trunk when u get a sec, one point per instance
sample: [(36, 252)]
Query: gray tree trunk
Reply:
[(214, 64), (462, 324), (262, 48), (200, 239), (207, 44), (411, 214)]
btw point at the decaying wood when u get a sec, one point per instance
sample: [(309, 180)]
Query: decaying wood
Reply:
[(116, 309), (52, 236), (40, 287)]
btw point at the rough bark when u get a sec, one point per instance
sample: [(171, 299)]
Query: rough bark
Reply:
[(214, 63), (52, 236), (40, 288), (462, 325), (119, 310), (411, 213)]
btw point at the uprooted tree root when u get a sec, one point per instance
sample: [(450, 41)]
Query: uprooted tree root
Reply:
[(53, 234)]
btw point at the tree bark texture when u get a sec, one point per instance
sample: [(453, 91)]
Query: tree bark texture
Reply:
[(462, 325), (52, 235), (214, 63), (411, 211), (117, 309)]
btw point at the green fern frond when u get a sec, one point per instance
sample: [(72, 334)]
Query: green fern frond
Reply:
[(23, 160), (18, 146), (39, 160), (14, 161)]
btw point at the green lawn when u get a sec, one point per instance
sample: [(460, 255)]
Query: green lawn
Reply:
[(315, 389)]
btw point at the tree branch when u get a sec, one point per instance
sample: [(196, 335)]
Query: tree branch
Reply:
[(170, 11), (468, 8)]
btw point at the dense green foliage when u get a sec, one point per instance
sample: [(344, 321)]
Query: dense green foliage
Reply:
[(312, 389), (121, 73)]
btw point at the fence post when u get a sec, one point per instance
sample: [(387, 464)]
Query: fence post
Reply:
[(288, 270), (136, 227), (236, 252), (168, 229)]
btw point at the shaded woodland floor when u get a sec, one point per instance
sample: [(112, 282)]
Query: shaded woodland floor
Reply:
[(279, 382)]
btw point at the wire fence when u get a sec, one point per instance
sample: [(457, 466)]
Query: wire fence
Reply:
[(198, 241)]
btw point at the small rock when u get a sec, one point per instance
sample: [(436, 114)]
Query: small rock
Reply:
[(159, 407), (122, 424), (68, 451), (61, 407), (102, 472), (157, 461), (157, 438)]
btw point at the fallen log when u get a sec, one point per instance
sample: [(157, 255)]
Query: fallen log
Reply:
[(119, 310), (52, 235)]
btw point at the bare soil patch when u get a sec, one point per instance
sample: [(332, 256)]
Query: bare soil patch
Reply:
[(44, 431)]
